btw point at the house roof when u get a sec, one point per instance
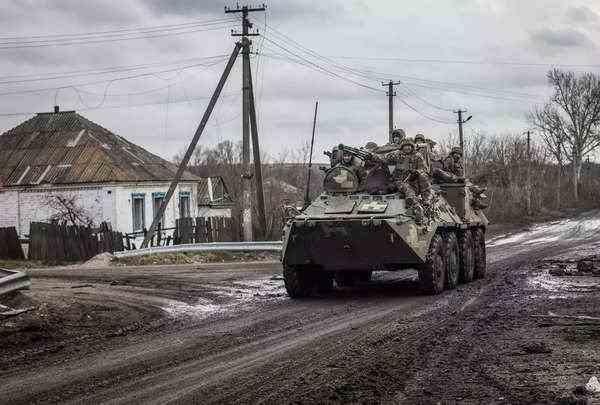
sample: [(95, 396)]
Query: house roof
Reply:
[(66, 148)]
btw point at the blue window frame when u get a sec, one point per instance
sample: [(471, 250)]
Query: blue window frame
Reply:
[(138, 204)]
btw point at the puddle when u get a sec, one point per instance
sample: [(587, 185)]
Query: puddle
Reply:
[(547, 282), (247, 293)]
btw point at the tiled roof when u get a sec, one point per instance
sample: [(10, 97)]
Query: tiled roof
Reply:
[(66, 148)]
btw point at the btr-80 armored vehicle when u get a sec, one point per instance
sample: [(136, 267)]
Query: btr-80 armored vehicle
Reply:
[(360, 223)]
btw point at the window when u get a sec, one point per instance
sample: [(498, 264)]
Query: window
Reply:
[(157, 199), (137, 209), (184, 204)]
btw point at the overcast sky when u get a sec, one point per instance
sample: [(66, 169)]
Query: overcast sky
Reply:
[(488, 56)]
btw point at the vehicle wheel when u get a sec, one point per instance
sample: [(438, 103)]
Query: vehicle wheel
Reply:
[(479, 249), (299, 283), (452, 260), (432, 273), (467, 256)]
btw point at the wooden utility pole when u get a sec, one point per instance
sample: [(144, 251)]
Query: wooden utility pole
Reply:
[(248, 121), (461, 136), (528, 187), (192, 146), (391, 94), (312, 143)]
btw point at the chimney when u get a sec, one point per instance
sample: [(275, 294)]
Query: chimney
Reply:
[(56, 109)]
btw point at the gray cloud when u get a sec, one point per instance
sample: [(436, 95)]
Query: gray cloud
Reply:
[(560, 38), (582, 15)]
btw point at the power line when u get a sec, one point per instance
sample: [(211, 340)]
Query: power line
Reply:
[(122, 30), (41, 90), (98, 71), (108, 40), (469, 62)]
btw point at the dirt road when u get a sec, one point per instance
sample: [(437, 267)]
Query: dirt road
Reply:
[(228, 333)]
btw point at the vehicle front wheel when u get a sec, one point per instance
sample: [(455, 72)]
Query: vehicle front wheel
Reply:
[(467, 256), (432, 273), (452, 261), (299, 282)]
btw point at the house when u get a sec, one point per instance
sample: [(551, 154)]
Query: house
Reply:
[(63, 158), (213, 198)]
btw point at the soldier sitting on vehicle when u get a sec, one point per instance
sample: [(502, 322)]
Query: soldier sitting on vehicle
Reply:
[(453, 171), (410, 175)]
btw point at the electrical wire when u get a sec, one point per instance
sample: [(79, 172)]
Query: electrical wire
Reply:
[(179, 68), (211, 26)]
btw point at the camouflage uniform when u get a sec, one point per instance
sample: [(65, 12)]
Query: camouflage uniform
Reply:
[(453, 171), (453, 163), (410, 174)]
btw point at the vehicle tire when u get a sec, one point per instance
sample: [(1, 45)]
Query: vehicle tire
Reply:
[(467, 256), (452, 260), (299, 283), (480, 257), (432, 273)]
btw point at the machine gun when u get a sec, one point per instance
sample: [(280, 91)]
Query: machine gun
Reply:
[(361, 154)]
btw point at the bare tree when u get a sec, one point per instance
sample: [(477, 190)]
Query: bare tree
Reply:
[(569, 122), (67, 209)]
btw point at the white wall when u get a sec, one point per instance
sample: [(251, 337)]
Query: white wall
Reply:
[(109, 203), (21, 207), (123, 214)]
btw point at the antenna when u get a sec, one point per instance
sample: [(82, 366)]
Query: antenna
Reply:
[(312, 143)]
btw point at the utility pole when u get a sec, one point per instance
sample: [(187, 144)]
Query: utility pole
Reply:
[(460, 135), (391, 94), (528, 186), (248, 121), (192, 146)]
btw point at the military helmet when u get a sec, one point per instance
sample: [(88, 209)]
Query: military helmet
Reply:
[(420, 138), (408, 142), (398, 133), (370, 145), (456, 150)]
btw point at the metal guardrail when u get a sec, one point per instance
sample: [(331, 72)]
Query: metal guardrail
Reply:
[(11, 281), (270, 246)]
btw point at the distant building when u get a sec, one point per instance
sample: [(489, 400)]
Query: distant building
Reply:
[(213, 198), (63, 155)]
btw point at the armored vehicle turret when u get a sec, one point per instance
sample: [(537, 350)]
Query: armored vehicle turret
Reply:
[(361, 222)]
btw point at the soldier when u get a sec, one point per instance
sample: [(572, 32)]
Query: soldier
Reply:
[(410, 175), (452, 169), (398, 135), (453, 163), (355, 166)]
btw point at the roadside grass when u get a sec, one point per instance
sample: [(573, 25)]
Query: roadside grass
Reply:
[(193, 257)]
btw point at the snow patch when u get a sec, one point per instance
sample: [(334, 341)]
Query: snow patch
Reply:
[(554, 284)]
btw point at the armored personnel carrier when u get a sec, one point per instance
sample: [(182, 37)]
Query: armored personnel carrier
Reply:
[(360, 223)]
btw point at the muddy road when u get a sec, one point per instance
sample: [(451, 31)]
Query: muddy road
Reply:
[(226, 333)]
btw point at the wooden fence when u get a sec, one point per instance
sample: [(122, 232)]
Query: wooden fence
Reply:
[(10, 245), (60, 242), (202, 230)]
